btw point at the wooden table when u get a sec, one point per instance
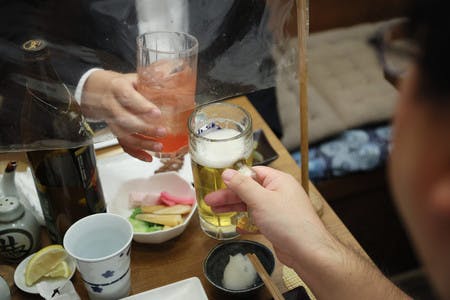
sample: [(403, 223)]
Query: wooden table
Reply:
[(180, 258)]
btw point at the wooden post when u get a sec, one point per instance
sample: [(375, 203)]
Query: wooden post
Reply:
[(302, 35)]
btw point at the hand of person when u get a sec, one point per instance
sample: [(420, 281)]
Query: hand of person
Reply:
[(112, 97), (284, 214), (279, 207)]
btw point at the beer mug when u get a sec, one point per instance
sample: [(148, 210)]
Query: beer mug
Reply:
[(220, 137)]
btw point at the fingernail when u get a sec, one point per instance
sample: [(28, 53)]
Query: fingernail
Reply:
[(147, 158), (161, 131), (155, 113), (228, 174), (158, 147)]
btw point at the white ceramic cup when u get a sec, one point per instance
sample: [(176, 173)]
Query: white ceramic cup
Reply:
[(5, 293), (100, 244)]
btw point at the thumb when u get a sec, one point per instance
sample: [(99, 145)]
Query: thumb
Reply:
[(248, 189)]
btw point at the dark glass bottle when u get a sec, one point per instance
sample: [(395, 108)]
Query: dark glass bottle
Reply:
[(65, 173)]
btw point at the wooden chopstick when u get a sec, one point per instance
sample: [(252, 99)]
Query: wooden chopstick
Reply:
[(302, 35), (270, 285)]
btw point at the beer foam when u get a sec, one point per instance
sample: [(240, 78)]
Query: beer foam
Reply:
[(220, 154)]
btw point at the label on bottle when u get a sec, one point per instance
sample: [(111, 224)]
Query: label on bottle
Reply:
[(85, 157), (68, 187)]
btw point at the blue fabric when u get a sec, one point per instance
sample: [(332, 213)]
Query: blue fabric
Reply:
[(352, 151)]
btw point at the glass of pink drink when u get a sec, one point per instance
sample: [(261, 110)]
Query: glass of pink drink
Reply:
[(167, 75)]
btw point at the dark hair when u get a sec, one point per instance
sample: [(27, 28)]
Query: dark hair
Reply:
[(430, 28)]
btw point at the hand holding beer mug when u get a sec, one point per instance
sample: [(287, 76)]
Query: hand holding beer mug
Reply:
[(220, 137), (167, 75)]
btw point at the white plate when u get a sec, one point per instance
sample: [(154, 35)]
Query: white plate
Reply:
[(122, 167), (187, 289), (19, 276)]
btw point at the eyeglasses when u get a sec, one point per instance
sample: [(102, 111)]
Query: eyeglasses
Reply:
[(395, 49)]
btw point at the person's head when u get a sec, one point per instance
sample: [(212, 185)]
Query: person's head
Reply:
[(420, 158)]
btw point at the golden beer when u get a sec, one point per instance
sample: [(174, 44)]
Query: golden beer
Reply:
[(215, 145)]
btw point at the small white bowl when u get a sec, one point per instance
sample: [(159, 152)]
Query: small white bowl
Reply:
[(170, 182)]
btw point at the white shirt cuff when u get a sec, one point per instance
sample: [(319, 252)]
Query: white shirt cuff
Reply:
[(81, 82)]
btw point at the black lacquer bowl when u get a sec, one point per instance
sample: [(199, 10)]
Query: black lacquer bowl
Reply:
[(214, 264)]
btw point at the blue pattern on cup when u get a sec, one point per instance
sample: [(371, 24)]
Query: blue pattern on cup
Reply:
[(96, 289), (108, 274), (208, 128)]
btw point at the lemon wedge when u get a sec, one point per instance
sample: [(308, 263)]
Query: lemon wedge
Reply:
[(42, 262), (60, 270)]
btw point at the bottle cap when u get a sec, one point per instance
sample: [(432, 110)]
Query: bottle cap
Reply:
[(34, 45), (10, 209)]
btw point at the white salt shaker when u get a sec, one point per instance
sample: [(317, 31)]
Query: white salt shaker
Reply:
[(19, 229)]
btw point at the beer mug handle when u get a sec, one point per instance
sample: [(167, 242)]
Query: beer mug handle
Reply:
[(243, 220)]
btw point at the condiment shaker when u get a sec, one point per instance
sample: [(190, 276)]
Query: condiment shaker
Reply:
[(19, 229)]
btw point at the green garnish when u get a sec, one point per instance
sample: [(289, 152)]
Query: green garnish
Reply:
[(135, 212), (142, 226)]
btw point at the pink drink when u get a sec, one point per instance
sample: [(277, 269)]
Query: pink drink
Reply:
[(170, 85)]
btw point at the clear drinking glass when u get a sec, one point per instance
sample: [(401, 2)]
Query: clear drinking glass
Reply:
[(167, 75), (220, 137)]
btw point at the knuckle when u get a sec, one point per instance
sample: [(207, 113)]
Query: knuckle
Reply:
[(125, 97), (240, 181)]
